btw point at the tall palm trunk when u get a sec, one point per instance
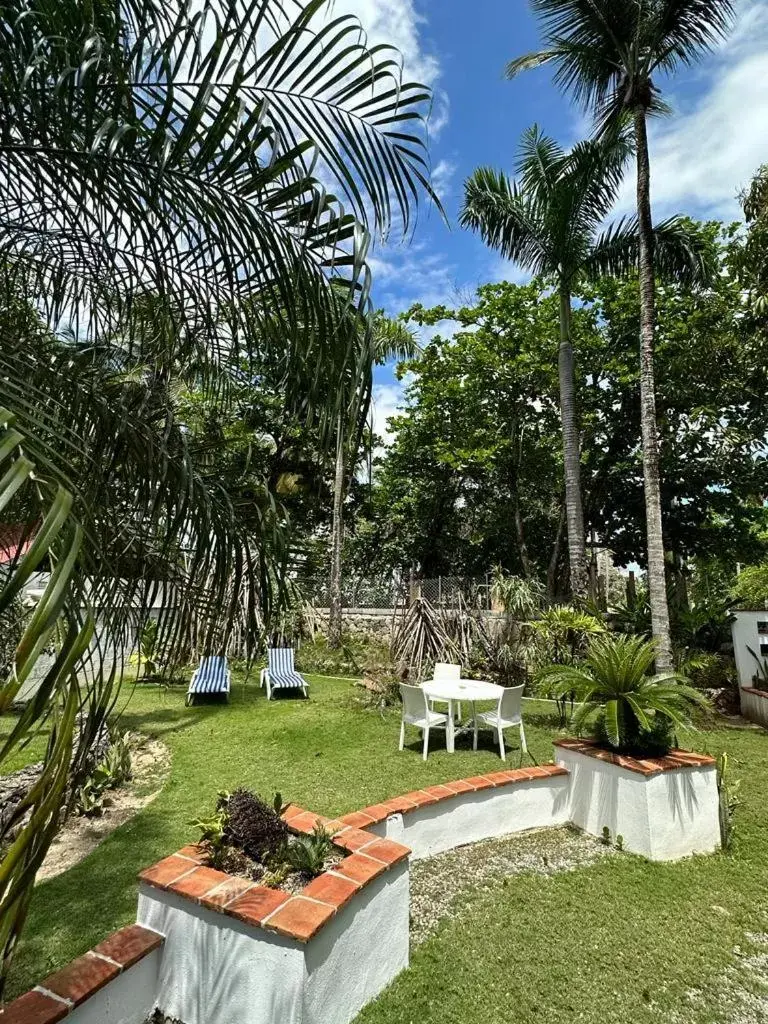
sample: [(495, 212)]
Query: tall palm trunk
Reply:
[(574, 511), (657, 584), (335, 610)]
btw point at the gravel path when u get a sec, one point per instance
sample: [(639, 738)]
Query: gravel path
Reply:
[(442, 886)]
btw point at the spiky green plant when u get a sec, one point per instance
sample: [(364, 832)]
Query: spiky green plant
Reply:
[(620, 702)]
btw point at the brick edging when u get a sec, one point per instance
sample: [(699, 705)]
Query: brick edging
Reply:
[(300, 916), (757, 693), (446, 791), (297, 916), (55, 997), (673, 761)]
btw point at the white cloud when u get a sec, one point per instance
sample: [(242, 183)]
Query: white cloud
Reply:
[(442, 177), (398, 23), (713, 143), (387, 399)]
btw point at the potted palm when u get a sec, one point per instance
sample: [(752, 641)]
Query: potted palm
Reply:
[(630, 780)]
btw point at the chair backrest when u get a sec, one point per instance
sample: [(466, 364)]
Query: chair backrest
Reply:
[(414, 700), (446, 671), (280, 659), (213, 667), (511, 703)]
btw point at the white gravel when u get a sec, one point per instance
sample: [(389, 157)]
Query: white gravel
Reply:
[(444, 885)]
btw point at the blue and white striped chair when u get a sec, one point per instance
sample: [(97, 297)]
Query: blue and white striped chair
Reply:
[(280, 673), (211, 677)]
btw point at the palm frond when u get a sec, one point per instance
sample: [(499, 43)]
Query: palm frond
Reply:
[(506, 219)]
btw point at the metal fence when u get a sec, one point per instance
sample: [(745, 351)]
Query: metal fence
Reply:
[(395, 591)]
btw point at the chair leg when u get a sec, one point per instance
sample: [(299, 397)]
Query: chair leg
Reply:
[(523, 744), (501, 744), (426, 742), (402, 735)]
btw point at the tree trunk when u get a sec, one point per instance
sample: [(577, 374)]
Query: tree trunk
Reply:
[(554, 560), (525, 559), (657, 583), (574, 511), (335, 611)]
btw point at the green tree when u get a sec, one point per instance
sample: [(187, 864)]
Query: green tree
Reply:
[(474, 476), (609, 55), (550, 221), (377, 340), (166, 150)]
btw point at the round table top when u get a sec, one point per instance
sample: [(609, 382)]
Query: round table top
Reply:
[(462, 689)]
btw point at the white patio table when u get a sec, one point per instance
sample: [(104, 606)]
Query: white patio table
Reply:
[(449, 690)]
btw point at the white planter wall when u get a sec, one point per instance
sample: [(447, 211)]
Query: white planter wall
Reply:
[(662, 816), (207, 966), (487, 814), (216, 970)]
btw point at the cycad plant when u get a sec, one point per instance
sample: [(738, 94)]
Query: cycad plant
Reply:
[(176, 156), (611, 55), (620, 702), (550, 220)]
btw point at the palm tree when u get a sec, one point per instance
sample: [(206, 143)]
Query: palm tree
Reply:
[(173, 151), (609, 55), (549, 221), (378, 341)]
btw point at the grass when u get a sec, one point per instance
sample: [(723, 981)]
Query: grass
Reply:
[(620, 940)]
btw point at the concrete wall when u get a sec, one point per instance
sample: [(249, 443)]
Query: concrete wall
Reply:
[(471, 817), (216, 970), (661, 816), (745, 633), (129, 999)]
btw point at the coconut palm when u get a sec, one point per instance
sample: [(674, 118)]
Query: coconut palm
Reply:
[(609, 55), (550, 221), (178, 152), (620, 701), (377, 341)]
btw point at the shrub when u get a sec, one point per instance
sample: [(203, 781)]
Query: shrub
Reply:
[(750, 588), (619, 702), (308, 854), (253, 826), (115, 769)]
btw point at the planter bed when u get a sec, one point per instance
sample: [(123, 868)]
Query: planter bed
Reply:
[(222, 949), (663, 808)]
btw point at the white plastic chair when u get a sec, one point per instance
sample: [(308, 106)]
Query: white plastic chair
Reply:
[(509, 712), (416, 711), (448, 672)]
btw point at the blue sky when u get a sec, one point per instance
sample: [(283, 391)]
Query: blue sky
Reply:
[(701, 157)]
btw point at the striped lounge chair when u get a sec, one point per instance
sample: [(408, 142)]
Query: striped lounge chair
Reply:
[(280, 673), (210, 678)]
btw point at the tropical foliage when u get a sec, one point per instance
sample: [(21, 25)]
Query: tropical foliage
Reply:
[(609, 55), (620, 702), (550, 220), (164, 224)]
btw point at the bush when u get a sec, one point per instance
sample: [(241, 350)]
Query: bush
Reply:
[(750, 589), (315, 656), (253, 826), (620, 703), (308, 854)]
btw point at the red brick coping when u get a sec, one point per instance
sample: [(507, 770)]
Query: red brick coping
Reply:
[(301, 916), (53, 999), (674, 760), (758, 693), (298, 916), (436, 794)]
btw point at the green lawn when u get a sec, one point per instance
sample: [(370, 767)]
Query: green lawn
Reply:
[(622, 940)]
